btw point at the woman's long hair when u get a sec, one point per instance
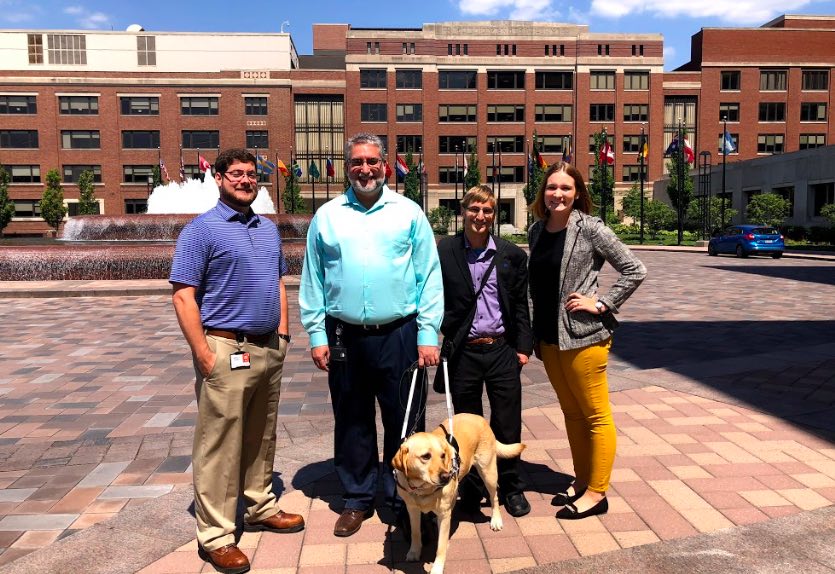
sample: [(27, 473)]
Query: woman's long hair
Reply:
[(582, 199)]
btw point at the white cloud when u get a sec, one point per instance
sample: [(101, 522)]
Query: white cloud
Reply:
[(741, 12), (88, 19), (516, 9), (73, 10), (669, 52)]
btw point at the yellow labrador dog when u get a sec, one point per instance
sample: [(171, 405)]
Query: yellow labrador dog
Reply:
[(427, 471)]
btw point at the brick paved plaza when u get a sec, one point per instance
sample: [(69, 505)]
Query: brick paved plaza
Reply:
[(723, 380)]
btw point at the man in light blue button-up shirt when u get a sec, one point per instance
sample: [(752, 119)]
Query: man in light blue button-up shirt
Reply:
[(371, 299)]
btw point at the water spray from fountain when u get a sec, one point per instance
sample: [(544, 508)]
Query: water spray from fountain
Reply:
[(194, 196)]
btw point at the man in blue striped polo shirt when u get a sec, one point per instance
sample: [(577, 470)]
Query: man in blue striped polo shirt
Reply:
[(231, 304), (371, 298)]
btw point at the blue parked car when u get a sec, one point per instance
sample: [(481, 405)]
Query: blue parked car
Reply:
[(745, 240)]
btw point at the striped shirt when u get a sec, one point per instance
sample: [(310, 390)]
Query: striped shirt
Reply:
[(371, 266), (235, 261)]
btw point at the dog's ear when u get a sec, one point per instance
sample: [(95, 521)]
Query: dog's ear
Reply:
[(399, 460)]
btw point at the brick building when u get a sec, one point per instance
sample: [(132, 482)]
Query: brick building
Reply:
[(118, 101)]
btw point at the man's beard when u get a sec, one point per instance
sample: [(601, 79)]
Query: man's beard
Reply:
[(356, 183)]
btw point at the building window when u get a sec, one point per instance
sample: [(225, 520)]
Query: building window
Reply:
[(505, 144), (552, 144), (454, 144), (772, 112), (68, 49), (255, 105), (72, 208), (812, 112), (140, 139), (199, 106), (457, 49), (375, 79), (27, 207), (555, 49), (729, 111), (146, 50), (450, 175), (24, 173), (320, 131), (203, 139), (373, 113), (72, 172), (136, 206), (809, 141), (514, 113), (609, 137), (553, 113), (80, 139), (137, 173), (19, 139), (79, 105), (506, 49), (730, 81), (787, 193), (35, 42), (409, 48), (602, 112), (139, 106), (507, 174), (372, 47), (635, 112), (631, 144), (505, 80), (554, 81), (636, 80), (734, 138), (259, 139), (456, 114), (409, 112), (603, 49), (602, 80), (822, 194), (457, 79), (770, 143), (631, 173), (408, 79), (409, 144), (637, 49), (815, 80), (13, 104), (773, 81)]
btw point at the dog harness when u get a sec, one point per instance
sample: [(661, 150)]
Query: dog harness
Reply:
[(453, 471)]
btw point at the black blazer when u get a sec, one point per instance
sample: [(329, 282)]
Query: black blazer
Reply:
[(459, 295)]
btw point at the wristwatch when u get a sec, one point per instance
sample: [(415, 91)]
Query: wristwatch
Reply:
[(600, 307), (285, 337)]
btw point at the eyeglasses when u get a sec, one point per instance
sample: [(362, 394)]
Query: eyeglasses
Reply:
[(487, 211), (238, 175), (371, 161)]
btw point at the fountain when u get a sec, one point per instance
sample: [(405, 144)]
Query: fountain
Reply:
[(138, 246)]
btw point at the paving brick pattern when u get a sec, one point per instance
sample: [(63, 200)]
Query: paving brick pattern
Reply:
[(723, 380)]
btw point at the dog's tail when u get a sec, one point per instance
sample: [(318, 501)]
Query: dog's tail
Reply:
[(509, 450)]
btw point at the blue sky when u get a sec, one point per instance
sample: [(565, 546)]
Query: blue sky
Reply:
[(677, 20)]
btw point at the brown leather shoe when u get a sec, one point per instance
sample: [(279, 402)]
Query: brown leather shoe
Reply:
[(283, 523), (350, 521), (227, 559)]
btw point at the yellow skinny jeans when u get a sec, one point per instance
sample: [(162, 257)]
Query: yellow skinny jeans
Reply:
[(579, 378)]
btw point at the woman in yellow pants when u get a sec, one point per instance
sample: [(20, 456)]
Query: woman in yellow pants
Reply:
[(573, 326)]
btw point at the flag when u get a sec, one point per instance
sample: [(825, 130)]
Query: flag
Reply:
[(607, 155), (266, 165), (329, 168), (541, 161), (530, 165), (182, 167), (163, 171), (202, 164), (388, 171), (313, 170), (466, 165), (566, 152), (643, 149), (688, 152), (297, 170), (283, 169), (727, 144), (400, 165), (673, 147)]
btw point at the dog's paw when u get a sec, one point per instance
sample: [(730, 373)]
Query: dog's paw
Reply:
[(496, 522), (437, 568), (413, 555)]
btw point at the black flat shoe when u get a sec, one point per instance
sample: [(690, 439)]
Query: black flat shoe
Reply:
[(563, 498), (569, 511)]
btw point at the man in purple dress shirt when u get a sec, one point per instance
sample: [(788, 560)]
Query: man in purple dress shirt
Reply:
[(487, 335)]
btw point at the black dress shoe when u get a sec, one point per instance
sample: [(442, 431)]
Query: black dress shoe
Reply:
[(517, 505), (563, 498), (569, 511)]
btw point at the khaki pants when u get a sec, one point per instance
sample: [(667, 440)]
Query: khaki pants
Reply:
[(234, 442)]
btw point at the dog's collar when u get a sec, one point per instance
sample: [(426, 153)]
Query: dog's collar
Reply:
[(411, 489), (456, 461)]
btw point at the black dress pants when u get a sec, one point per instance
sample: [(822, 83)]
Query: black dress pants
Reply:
[(495, 367)]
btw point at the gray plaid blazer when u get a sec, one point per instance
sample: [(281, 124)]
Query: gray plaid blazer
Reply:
[(589, 244)]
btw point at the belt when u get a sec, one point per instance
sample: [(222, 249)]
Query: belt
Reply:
[(498, 340), (377, 328), (259, 340)]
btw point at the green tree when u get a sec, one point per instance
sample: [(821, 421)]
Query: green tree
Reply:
[(473, 176), (632, 202), (535, 175), (157, 175), (602, 180), (827, 211), (714, 212), (53, 209), (440, 218), (768, 209), (6, 204), (292, 197), (411, 183), (87, 204), (659, 216), (673, 187)]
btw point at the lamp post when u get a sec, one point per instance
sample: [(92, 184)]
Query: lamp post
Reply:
[(680, 172), (643, 145), (724, 156), (704, 202)]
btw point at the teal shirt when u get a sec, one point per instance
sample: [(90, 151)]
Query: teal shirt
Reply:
[(371, 266)]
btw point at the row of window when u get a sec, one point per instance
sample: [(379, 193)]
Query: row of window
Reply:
[(377, 78), (408, 48), (71, 49), (128, 105), (130, 173), (775, 112), (131, 139), (466, 113), (777, 80)]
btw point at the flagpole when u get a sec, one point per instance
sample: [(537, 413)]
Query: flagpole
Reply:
[(312, 185), (527, 167), (159, 162), (396, 172), (724, 156), (498, 221), (277, 185), (604, 163), (642, 144), (680, 171), (201, 174), (328, 174), (456, 192)]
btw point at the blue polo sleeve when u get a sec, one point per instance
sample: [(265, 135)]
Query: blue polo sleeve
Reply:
[(191, 256)]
